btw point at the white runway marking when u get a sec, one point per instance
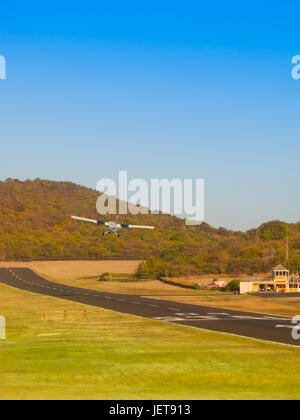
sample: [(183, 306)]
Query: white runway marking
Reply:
[(287, 326), (169, 319), (218, 313), (219, 316), (277, 318)]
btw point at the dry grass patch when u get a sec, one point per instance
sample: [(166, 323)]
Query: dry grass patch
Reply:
[(72, 270)]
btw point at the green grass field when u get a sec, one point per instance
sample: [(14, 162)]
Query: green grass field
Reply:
[(115, 356)]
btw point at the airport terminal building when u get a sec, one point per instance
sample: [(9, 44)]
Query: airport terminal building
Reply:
[(279, 282)]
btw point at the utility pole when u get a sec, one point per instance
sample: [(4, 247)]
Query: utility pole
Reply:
[(287, 249)]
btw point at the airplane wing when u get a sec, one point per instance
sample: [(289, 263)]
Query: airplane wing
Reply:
[(119, 226), (97, 222), (125, 226)]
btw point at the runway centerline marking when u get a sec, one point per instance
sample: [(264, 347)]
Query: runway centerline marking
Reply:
[(217, 313), (287, 326)]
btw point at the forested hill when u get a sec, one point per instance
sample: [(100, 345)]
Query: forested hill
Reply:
[(35, 223)]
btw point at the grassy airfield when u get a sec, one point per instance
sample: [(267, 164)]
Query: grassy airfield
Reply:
[(115, 356)]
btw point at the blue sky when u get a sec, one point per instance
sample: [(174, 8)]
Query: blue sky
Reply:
[(163, 89)]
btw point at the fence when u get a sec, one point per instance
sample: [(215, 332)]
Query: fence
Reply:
[(174, 283)]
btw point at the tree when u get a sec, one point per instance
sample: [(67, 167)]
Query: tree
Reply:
[(233, 286)]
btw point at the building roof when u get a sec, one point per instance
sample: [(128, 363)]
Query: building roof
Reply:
[(280, 267), (254, 279)]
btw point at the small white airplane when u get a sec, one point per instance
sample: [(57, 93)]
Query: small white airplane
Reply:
[(112, 227)]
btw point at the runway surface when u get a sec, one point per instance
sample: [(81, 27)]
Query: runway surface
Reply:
[(271, 328)]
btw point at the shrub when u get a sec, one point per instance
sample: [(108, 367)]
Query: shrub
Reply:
[(106, 277), (233, 286)]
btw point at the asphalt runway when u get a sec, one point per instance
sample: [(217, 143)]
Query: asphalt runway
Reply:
[(271, 328)]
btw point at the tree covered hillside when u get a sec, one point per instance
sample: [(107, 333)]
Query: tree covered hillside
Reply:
[(35, 223)]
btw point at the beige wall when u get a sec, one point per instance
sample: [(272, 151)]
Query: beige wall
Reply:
[(245, 287)]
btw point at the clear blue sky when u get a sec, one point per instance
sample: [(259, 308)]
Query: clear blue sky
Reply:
[(162, 89)]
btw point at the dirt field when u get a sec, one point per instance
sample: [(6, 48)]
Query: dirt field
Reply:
[(86, 274), (151, 287), (72, 270), (205, 280)]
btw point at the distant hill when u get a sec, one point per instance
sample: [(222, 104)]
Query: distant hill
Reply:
[(35, 224)]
